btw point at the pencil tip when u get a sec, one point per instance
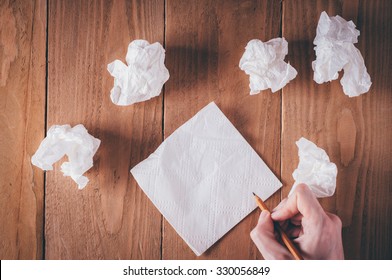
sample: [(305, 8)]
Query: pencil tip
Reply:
[(254, 194)]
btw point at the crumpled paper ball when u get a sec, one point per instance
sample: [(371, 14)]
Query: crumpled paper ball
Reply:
[(264, 63), (144, 76), (315, 169), (335, 50), (74, 142)]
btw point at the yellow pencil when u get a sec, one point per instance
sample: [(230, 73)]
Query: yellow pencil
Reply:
[(286, 240)]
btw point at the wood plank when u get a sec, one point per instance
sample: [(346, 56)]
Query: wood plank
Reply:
[(205, 41), (311, 110), (111, 218), (370, 234), (355, 132), (22, 121)]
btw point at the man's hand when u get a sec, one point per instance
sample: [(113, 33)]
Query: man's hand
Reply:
[(316, 233)]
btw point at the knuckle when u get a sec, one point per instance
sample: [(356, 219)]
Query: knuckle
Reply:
[(335, 222), (302, 189), (254, 234), (259, 236)]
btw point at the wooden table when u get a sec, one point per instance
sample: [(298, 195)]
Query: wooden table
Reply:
[(53, 59)]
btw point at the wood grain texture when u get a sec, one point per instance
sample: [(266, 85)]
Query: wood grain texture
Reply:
[(355, 132), (205, 41), (111, 218), (370, 234), (22, 114)]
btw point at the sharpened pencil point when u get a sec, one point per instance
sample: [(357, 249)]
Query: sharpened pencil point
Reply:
[(254, 194)]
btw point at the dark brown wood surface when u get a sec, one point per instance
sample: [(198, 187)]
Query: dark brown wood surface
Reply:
[(22, 127), (53, 59), (205, 41), (111, 218), (355, 132)]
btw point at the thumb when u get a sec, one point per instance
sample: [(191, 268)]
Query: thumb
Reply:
[(263, 236)]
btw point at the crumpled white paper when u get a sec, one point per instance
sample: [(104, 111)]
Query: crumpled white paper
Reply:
[(264, 63), (201, 178), (76, 143), (335, 50), (315, 169), (144, 76)]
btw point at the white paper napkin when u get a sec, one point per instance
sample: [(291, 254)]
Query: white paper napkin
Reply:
[(201, 178), (75, 142), (265, 65), (335, 50), (143, 76), (314, 169)]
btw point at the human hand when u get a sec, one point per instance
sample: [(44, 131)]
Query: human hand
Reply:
[(316, 233)]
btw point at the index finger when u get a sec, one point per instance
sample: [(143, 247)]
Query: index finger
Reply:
[(303, 201)]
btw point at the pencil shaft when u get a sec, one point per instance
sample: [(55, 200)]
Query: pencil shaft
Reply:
[(286, 240)]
